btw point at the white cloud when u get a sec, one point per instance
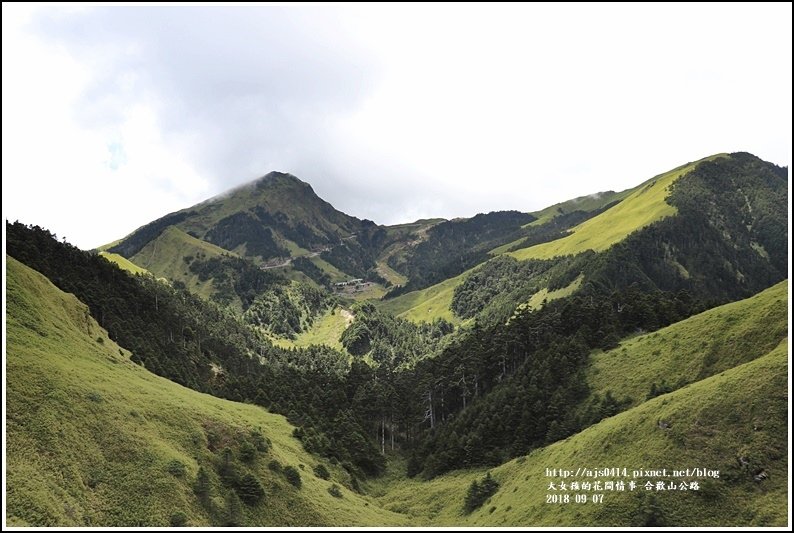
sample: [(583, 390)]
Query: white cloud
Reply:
[(115, 116)]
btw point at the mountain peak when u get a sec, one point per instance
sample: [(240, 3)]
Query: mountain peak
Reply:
[(265, 218), (279, 177)]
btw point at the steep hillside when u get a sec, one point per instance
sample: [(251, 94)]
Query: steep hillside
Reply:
[(425, 305), (276, 223), (644, 204), (556, 221), (275, 217), (169, 256), (637, 210), (181, 337), (124, 263), (590, 202), (286, 204), (734, 423), (94, 439), (451, 247), (715, 228), (701, 346), (402, 239)]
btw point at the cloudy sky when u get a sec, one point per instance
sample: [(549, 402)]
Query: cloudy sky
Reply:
[(114, 116)]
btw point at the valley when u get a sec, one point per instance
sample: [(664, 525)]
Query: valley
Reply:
[(212, 369)]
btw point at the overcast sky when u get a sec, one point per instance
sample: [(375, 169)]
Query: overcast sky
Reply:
[(115, 116)]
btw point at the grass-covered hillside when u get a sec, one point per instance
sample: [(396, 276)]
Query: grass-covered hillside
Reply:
[(94, 439), (124, 263), (166, 256), (725, 410), (425, 305), (642, 207), (734, 422), (635, 209), (326, 330), (590, 202), (701, 346), (715, 228)]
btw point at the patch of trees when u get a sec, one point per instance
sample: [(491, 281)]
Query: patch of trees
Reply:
[(351, 258), (317, 274), (287, 310), (390, 340), (504, 282), (479, 492), (501, 390), (234, 278), (728, 241), (243, 229), (296, 231), (455, 246), (233, 456)]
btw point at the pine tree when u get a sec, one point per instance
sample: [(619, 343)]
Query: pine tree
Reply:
[(202, 487), (250, 489), (234, 510)]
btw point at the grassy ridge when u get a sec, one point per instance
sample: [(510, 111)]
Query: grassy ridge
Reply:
[(642, 207), (741, 412), (428, 304), (700, 346), (590, 202), (164, 256), (90, 434), (124, 263)]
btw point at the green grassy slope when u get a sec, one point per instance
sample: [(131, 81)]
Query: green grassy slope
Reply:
[(390, 275), (642, 207), (164, 256), (591, 202), (104, 247), (700, 346), (426, 305), (124, 263), (326, 329), (335, 274), (544, 295), (740, 413), (90, 434)]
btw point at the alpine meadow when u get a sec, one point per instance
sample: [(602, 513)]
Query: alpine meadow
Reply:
[(264, 359)]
